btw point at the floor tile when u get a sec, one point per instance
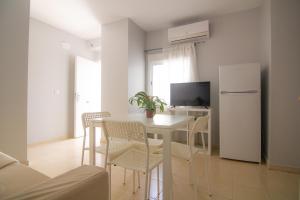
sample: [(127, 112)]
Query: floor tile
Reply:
[(249, 193)]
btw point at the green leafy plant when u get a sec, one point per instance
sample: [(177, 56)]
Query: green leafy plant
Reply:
[(150, 103)]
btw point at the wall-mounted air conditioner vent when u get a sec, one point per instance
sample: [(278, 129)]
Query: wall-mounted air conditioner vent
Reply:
[(190, 32)]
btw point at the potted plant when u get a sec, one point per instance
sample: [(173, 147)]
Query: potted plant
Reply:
[(149, 103)]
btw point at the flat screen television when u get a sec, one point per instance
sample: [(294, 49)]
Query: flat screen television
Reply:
[(190, 94)]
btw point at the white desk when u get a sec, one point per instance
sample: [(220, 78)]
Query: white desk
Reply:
[(161, 124)]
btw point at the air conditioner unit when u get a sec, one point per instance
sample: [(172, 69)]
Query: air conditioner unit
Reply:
[(190, 32)]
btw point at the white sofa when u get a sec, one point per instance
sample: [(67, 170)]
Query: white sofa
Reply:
[(20, 182)]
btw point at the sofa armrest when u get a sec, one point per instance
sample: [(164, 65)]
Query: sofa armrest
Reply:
[(85, 182), (6, 160)]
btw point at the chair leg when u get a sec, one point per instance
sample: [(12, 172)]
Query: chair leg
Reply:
[(146, 187), (83, 147), (149, 185), (187, 137), (203, 141), (109, 182), (191, 169), (133, 190), (157, 181), (124, 181), (190, 173), (139, 180)]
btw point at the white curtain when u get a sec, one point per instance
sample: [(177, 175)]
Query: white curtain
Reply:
[(179, 66), (181, 61)]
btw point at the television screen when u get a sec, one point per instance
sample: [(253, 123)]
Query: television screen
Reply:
[(190, 94)]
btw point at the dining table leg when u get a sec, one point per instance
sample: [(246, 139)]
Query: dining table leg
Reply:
[(92, 154), (167, 166)]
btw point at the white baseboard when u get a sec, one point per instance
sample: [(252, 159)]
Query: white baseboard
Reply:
[(63, 137), (283, 168)]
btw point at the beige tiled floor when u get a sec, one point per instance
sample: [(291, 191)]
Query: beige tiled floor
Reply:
[(228, 179)]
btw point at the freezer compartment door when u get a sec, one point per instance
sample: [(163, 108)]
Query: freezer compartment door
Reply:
[(239, 78), (240, 128)]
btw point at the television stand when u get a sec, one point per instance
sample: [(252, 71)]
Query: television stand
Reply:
[(195, 112)]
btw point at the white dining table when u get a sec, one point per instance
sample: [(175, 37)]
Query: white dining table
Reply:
[(161, 124)]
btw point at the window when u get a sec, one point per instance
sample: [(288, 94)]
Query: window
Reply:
[(179, 66), (158, 82)]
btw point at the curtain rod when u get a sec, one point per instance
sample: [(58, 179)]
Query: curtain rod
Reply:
[(156, 49), (160, 49)]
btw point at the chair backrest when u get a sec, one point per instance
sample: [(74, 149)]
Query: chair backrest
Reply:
[(87, 117), (130, 130), (200, 125)]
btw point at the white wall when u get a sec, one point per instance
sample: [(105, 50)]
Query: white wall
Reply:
[(14, 23), (123, 65), (51, 68), (235, 38), (114, 65), (136, 61), (284, 113), (157, 39)]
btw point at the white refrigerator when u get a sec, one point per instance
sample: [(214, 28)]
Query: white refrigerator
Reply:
[(240, 112)]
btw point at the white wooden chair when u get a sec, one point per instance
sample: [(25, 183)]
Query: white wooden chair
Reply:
[(199, 126), (201, 132), (85, 119), (116, 146), (134, 159)]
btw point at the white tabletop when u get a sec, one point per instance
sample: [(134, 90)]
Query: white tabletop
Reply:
[(158, 121)]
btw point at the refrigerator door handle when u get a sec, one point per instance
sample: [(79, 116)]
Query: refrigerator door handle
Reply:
[(239, 92)]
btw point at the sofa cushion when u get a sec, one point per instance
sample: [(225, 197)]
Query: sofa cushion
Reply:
[(6, 160), (85, 182), (17, 177)]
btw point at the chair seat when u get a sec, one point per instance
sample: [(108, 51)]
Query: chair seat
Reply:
[(116, 148), (134, 159), (155, 145), (155, 142)]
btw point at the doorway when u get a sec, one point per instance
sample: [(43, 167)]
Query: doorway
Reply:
[(87, 90)]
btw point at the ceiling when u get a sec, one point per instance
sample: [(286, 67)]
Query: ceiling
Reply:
[(83, 18)]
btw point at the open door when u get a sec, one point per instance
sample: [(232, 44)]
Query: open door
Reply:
[(87, 90)]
